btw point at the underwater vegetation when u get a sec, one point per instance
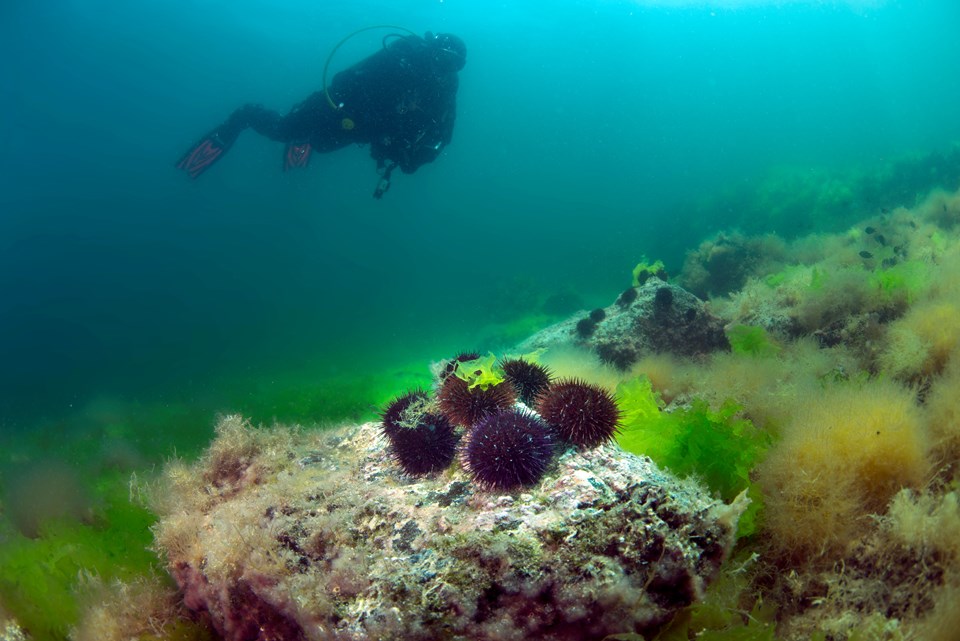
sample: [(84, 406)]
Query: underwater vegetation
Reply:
[(310, 397), (40, 574), (644, 271), (834, 408), (75, 557), (838, 458), (72, 525), (754, 341), (844, 350), (719, 447), (831, 400), (793, 201)]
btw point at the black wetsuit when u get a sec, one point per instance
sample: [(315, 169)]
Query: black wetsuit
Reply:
[(396, 100)]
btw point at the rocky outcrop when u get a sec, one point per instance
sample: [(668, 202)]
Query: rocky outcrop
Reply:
[(657, 317), (279, 534)]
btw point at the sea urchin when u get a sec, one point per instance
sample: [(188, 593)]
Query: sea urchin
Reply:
[(580, 413), (421, 442), (402, 411), (465, 406), (528, 379), (507, 449)]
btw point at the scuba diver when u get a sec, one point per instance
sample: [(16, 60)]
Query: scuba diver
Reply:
[(401, 101)]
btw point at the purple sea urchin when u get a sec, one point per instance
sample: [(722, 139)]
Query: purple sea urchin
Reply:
[(580, 413), (507, 450), (465, 406), (663, 299), (627, 296), (426, 448), (585, 327), (421, 442), (401, 412), (529, 380)]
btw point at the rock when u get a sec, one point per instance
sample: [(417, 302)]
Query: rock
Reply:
[(279, 534), (660, 318), (10, 630)]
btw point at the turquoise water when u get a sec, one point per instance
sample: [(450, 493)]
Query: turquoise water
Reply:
[(588, 135), (136, 304)]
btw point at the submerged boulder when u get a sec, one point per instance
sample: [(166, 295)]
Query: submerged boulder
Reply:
[(280, 534), (656, 317)]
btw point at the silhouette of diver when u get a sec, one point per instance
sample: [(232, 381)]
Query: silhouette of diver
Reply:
[(401, 101)]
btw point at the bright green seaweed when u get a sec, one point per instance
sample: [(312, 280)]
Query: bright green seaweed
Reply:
[(715, 446), (751, 340), (39, 578), (481, 372)]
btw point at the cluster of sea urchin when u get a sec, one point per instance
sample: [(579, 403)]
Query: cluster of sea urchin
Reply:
[(422, 442), (503, 448)]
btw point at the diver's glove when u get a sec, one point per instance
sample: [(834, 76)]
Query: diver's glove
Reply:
[(384, 185)]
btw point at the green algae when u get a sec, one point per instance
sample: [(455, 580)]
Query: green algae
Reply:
[(718, 447), (325, 400), (41, 579), (903, 282), (644, 270), (750, 340), (481, 372)]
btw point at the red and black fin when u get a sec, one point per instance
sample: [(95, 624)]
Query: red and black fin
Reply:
[(202, 155), (296, 155)]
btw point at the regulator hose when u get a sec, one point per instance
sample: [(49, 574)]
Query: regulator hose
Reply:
[(326, 66)]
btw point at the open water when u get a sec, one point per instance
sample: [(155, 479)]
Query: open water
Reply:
[(586, 131)]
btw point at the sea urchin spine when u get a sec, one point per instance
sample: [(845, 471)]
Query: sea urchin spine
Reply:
[(507, 450), (580, 413)]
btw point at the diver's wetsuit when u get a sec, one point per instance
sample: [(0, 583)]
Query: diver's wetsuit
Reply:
[(401, 101)]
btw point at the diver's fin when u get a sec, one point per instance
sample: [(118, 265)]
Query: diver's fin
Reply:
[(203, 154), (296, 155)]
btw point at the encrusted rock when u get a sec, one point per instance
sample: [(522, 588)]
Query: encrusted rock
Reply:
[(321, 537), (10, 630), (656, 317)]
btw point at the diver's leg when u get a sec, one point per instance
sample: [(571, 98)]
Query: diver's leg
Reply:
[(312, 125), (298, 125), (263, 121), (316, 121), (214, 144)]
